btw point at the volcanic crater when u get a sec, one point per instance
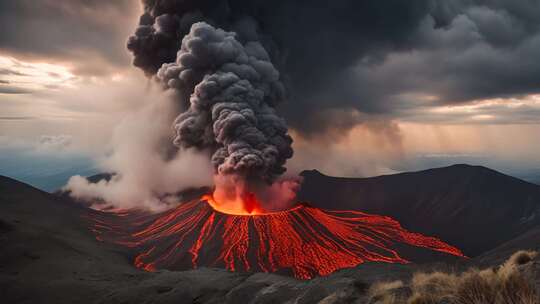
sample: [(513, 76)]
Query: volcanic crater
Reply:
[(303, 241)]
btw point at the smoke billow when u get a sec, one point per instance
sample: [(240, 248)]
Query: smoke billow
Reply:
[(148, 170), (233, 88), (314, 44), (223, 93), (221, 59)]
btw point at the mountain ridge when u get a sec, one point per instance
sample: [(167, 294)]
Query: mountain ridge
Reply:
[(449, 202)]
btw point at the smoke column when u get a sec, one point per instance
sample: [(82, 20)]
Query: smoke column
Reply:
[(312, 43), (225, 91), (221, 58), (234, 88)]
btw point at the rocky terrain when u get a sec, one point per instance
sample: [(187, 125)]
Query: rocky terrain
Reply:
[(48, 254)]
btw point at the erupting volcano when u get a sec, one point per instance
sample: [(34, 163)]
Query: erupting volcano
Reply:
[(303, 241), (227, 88)]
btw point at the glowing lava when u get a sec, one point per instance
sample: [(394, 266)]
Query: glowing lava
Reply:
[(303, 242), (248, 204)]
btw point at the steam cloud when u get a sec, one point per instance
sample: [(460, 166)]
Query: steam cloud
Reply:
[(233, 88), (148, 170)]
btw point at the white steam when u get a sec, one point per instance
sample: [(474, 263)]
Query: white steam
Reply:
[(148, 170)]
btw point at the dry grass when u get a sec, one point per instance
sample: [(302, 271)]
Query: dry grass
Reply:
[(511, 283), (387, 292)]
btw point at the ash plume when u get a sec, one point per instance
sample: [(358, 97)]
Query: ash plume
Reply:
[(231, 62), (313, 44), (233, 89)]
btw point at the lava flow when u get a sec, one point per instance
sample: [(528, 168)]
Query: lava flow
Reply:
[(304, 241)]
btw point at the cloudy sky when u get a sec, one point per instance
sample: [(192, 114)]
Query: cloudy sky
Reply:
[(373, 88)]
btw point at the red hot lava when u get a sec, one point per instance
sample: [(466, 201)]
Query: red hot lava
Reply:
[(246, 204), (304, 241)]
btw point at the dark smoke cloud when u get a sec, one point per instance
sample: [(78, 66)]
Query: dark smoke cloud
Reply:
[(334, 56), (313, 43), (373, 57), (232, 89)]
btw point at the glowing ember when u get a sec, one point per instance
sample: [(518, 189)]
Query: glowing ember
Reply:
[(304, 241)]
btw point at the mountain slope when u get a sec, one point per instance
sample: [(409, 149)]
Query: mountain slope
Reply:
[(48, 255), (471, 207), (529, 240), (47, 250)]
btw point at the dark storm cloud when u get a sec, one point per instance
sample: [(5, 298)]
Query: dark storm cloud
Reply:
[(488, 49), (462, 51), (81, 31), (473, 51)]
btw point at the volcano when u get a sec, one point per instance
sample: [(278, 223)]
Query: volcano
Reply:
[(303, 242)]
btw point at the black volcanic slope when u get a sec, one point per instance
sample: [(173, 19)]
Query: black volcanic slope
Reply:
[(471, 207), (46, 250)]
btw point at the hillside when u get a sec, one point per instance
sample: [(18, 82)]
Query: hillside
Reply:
[(471, 207)]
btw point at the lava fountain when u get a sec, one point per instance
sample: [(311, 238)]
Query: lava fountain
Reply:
[(303, 241)]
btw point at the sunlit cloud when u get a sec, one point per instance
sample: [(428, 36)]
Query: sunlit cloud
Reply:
[(26, 77), (517, 110)]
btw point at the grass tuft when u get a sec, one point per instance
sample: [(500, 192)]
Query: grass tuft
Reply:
[(511, 283)]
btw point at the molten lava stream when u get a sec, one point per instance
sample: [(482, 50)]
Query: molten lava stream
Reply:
[(303, 242)]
